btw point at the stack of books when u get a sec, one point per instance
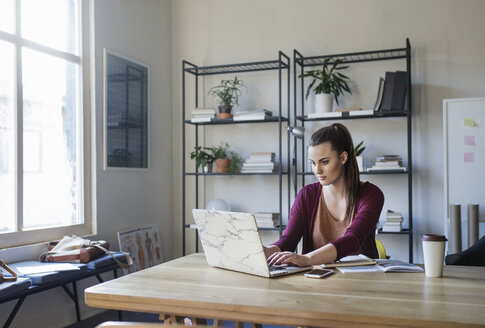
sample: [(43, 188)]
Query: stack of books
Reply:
[(252, 115), (387, 163), (203, 115), (259, 163), (267, 219), (393, 222)]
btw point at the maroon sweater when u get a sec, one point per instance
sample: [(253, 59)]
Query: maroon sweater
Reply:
[(359, 238)]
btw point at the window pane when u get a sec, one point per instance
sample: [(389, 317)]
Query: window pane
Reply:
[(7, 16), (51, 141), (7, 133), (53, 23)]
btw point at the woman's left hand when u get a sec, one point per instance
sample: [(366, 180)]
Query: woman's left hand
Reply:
[(288, 258)]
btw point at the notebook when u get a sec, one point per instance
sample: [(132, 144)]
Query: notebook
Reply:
[(231, 241)]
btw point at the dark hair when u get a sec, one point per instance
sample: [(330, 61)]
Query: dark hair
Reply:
[(340, 139)]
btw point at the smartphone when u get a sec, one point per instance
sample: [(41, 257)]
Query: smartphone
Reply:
[(318, 273)]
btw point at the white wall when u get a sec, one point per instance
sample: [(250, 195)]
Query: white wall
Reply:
[(447, 62), (139, 30)]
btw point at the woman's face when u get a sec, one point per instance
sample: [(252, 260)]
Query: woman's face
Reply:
[(326, 164)]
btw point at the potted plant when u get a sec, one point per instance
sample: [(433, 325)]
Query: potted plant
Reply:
[(227, 94), (203, 157), (358, 155), (227, 160), (328, 83)]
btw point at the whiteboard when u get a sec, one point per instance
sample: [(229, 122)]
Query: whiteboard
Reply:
[(464, 159)]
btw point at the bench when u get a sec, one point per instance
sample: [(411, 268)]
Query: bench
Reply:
[(36, 283)]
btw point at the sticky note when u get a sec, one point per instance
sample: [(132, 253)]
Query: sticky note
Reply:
[(469, 157), (470, 140), (468, 121)]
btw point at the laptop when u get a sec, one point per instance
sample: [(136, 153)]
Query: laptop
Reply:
[(231, 241)]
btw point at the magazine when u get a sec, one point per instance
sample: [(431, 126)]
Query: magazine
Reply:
[(383, 266)]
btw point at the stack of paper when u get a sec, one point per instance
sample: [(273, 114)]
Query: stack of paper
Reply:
[(252, 115), (203, 115), (267, 219), (259, 163), (393, 222), (387, 163)]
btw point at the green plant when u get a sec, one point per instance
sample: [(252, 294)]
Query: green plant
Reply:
[(330, 80), (359, 148), (227, 92), (224, 151), (202, 155)]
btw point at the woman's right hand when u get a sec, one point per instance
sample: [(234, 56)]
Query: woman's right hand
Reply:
[(268, 250)]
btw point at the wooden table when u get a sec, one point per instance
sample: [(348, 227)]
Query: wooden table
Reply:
[(188, 286)]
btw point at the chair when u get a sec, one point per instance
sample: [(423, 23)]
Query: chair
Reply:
[(381, 250), (473, 256)]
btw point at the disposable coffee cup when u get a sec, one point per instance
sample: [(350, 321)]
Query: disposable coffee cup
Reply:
[(434, 254)]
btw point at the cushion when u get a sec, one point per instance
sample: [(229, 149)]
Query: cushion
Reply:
[(47, 277), (13, 287), (106, 260)]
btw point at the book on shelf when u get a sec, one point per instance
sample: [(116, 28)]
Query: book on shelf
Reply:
[(381, 168), (203, 111), (253, 170), (383, 265), (392, 227), (348, 109), (364, 112), (391, 215), (394, 93), (201, 119), (324, 115), (351, 260), (380, 92), (388, 158), (389, 163), (252, 115)]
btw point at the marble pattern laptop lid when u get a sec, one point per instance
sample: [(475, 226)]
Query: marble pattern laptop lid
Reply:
[(231, 241)]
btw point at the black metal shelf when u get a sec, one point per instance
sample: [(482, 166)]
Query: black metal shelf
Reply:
[(305, 63), (347, 116), (355, 57), (237, 68), (383, 172), (281, 69), (218, 121)]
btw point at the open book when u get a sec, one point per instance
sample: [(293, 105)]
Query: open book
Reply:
[(351, 260), (384, 266)]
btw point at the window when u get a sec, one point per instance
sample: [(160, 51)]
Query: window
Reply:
[(44, 167)]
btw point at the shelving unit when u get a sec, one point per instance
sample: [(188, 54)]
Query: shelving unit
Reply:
[(301, 62), (281, 66)]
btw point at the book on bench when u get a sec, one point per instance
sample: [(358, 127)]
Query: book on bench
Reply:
[(351, 260)]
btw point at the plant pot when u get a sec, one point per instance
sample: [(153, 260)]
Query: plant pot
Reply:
[(224, 111), (323, 103), (207, 168), (360, 163), (222, 165)]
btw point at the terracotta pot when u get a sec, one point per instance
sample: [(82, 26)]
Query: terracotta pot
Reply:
[(224, 111), (222, 165)]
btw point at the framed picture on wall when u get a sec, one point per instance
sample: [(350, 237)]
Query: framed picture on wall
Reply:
[(125, 112)]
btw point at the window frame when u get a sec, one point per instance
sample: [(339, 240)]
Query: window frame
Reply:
[(28, 237)]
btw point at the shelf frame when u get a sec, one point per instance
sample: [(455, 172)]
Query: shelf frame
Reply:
[(300, 62), (281, 65)]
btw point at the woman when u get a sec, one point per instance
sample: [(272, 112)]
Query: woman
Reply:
[(336, 216)]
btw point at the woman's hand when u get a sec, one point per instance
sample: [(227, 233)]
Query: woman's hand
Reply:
[(268, 250), (288, 258)]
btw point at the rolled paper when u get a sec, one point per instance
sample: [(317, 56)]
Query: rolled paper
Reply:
[(455, 229), (472, 224)]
